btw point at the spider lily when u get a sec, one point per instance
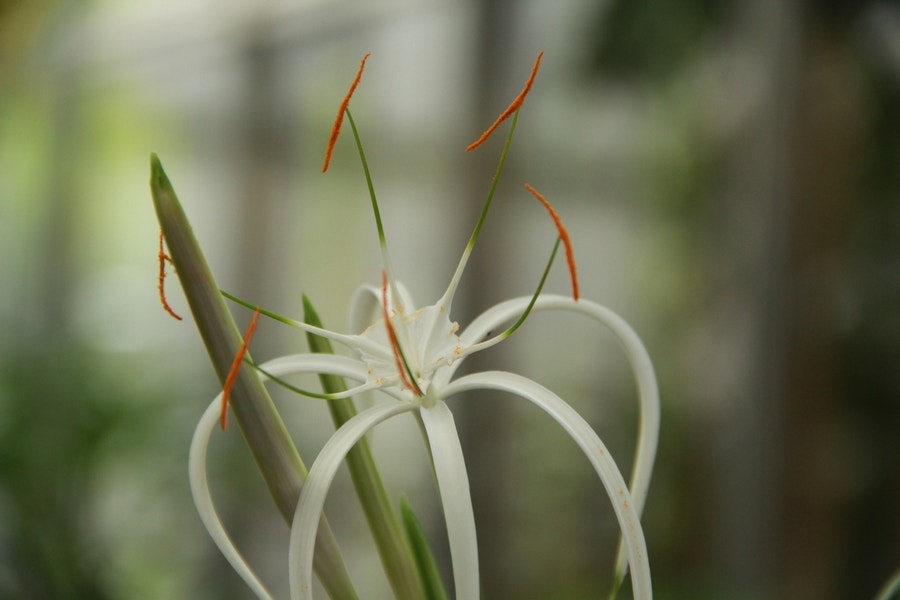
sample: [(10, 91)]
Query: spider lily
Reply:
[(411, 356)]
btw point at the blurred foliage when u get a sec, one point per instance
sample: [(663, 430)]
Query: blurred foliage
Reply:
[(649, 40), (19, 24), (57, 417), (844, 260)]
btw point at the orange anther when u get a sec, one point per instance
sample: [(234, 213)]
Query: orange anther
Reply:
[(513, 107), (563, 235), (236, 367), (392, 337), (163, 258), (338, 121)]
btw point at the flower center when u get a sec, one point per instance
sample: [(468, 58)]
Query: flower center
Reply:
[(427, 338)]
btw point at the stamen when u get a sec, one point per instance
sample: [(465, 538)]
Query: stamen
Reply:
[(516, 104), (338, 121), (399, 360), (163, 258), (563, 235), (236, 367)]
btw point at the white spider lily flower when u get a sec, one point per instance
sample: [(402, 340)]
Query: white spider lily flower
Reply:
[(434, 351), (410, 355)]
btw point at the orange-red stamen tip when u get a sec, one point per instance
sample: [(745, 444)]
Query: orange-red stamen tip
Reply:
[(236, 367), (161, 285), (339, 119), (513, 107), (563, 235), (392, 337)]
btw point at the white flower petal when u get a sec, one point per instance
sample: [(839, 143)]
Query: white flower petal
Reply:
[(596, 452), (453, 485), (286, 365), (404, 301), (332, 364), (648, 391), (365, 307), (203, 499), (315, 488), (351, 341)]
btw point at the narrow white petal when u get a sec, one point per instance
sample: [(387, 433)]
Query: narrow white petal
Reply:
[(203, 499), (332, 364), (589, 442), (351, 341), (365, 308), (453, 485), (404, 299), (312, 496), (648, 391), (286, 365)]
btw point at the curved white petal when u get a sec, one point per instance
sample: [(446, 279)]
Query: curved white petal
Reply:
[(351, 341), (312, 496), (203, 499), (332, 364), (588, 440), (365, 307), (286, 365), (648, 390), (321, 363), (453, 485), (404, 301)]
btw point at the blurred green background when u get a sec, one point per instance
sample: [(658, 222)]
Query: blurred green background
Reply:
[(729, 171)]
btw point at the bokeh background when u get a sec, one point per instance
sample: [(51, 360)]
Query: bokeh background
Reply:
[(729, 171)]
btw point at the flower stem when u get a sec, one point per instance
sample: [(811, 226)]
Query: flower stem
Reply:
[(259, 421)]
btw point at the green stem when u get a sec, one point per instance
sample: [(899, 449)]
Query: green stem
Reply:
[(396, 554), (434, 584), (494, 181), (259, 421), (368, 175)]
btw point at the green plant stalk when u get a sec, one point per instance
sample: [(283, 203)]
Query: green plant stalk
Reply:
[(434, 585), (272, 448), (396, 555)]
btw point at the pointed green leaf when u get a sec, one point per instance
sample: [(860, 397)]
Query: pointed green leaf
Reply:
[(434, 585), (259, 421)]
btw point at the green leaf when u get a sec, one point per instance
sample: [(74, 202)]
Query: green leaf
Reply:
[(259, 421), (434, 585)]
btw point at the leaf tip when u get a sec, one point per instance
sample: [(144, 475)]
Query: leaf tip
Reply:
[(159, 182)]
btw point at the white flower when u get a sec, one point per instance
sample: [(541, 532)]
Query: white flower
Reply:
[(411, 355), (434, 351)]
